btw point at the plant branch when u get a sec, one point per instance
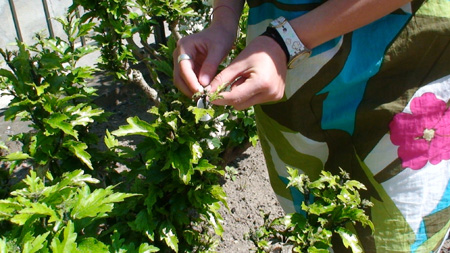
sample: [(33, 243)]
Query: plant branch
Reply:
[(136, 77)]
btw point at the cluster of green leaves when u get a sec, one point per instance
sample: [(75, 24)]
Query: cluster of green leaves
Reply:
[(50, 91), (177, 175), (111, 26), (60, 216), (332, 204)]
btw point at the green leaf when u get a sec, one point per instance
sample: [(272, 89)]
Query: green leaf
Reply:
[(168, 234), (85, 116), (97, 203), (58, 121), (349, 239), (68, 243), (214, 220), (203, 165), (137, 126), (36, 244), (21, 218), (164, 67), (8, 74), (110, 140), (197, 152), (8, 208), (200, 112), (50, 61), (41, 209), (79, 150), (318, 209), (181, 160), (3, 146), (4, 247), (145, 248), (92, 245), (16, 156)]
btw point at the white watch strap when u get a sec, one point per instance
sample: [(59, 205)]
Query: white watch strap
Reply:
[(293, 43)]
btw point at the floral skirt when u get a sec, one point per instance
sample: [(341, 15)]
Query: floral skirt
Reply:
[(374, 102)]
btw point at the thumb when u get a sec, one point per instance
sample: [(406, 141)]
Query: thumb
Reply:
[(227, 76), (209, 67)]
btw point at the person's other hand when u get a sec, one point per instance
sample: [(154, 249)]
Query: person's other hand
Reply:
[(206, 50), (262, 68)]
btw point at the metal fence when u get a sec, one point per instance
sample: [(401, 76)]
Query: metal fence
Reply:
[(21, 19)]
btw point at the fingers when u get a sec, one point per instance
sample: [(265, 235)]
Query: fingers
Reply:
[(247, 92), (184, 75), (209, 66)]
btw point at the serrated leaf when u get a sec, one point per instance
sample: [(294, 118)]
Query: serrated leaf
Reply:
[(199, 113), (92, 245), (97, 203), (21, 218), (58, 121), (85, 116), (318, 209), (36, 244), (41, 89), (16, 156), (203, 165), (136, 126), (110, 140), (41, 209), (169, 235), (76, 177), (145, 248), (181, 160), (79, 150), (8, 208), (349, 239), (68, 243)]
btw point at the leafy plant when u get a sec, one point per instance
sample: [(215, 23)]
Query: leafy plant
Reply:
[(332, 204), (50, 91), (181, 185), (61, 216)]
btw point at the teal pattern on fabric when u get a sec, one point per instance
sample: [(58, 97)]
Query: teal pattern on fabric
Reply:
[(297, 197), (364, 61), (421, 236), (445, 201)]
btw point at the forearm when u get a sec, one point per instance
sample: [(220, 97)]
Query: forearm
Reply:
[(226, 14), (338, 17)]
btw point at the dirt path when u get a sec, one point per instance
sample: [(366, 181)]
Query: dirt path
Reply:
[(249, 197)]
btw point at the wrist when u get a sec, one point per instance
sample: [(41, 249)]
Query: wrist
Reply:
[(225, 18), (275, 35), (284, 34), (276, 52)]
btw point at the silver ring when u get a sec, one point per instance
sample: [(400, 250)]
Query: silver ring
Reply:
[(183, 57)]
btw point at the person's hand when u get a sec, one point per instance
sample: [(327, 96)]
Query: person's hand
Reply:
[(206, 51), (262, 68)]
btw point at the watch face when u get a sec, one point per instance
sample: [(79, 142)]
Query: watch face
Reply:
[(297, 59)]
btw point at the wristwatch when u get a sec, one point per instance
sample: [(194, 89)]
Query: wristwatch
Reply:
[(297, 51)]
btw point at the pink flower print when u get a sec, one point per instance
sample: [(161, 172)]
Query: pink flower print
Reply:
[(424, 134)]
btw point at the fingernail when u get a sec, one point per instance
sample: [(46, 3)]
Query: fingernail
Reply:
[(204, 80)]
